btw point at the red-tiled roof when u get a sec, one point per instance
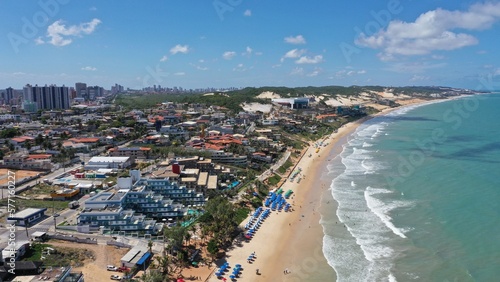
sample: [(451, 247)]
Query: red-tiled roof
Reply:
[(325, 116), (85, 140), (22, 139), (39, 156)]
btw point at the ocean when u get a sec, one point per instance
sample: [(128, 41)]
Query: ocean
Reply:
[(418, 193)]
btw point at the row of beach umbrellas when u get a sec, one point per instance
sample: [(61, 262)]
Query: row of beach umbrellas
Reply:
[(236, 270)]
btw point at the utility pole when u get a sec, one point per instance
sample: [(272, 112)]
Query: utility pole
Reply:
[(26, 227)]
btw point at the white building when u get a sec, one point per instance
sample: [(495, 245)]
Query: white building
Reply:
[(96, 163)]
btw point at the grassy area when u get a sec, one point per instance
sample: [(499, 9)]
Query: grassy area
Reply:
[(40, 189), (241, 214), (274, 180), (35, 252), (59, 256), (285, 166), (21, 204)]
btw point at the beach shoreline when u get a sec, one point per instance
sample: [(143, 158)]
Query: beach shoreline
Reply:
[(288, 246)]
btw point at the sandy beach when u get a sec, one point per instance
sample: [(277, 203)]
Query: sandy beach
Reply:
[(288, 246), (292, 242)]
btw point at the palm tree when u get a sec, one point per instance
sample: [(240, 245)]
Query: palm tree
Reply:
[(150, 246)]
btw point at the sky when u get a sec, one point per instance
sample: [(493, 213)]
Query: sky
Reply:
[(241, 43)]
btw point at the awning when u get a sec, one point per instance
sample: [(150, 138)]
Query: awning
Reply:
[(144, 258)]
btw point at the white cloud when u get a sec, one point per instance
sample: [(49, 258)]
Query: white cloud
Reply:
[(39, 41), (315, 72), (310, 60), (228, 55), (433, 30), (59, 33), (292, 54), (415, 67), (240, 67), (184, 49), (89, 68), (247, 13), (297, 71), (419, 78), (248, 51), (346, 72), (164, 58), (180, 73), (198, 67), (299, 39)]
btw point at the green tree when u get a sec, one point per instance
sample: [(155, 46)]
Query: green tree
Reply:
[(175, 236), (212, 248), (153, 276)]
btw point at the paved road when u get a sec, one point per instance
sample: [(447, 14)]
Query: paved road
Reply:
[(274, 167)]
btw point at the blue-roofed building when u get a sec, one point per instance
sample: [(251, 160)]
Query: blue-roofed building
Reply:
[(27, 216), (139, 207)]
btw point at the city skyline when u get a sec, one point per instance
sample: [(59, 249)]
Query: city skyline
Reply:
[(224, 44)]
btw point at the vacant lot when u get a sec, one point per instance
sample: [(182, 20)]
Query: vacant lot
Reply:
[(19, 174)]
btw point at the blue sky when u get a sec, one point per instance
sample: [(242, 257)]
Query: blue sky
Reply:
[(239, 43)]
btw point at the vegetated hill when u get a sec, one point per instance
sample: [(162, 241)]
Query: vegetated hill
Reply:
[(234, 99)]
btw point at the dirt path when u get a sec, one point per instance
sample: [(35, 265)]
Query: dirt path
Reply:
[(95, 271)]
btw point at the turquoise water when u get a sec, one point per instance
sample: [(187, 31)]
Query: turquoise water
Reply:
[(418, 194)]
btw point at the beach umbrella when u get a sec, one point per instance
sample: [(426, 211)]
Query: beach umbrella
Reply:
[(232, 277), (238, 265), (180, 280)]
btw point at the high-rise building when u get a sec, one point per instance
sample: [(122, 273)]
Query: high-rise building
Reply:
[(116, 88), (81, 90), (47, 97), (29, 107), (94, 91), (9, 96)]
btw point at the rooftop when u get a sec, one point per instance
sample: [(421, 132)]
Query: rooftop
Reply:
[(26, 213), (109, 159)]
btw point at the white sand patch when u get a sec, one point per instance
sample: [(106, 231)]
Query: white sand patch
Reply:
[(268, 95), (347, 101), (253, 107), (377, 106), (385, 94)]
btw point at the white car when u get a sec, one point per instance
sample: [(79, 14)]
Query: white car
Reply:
[(115, 277), (112, 268)]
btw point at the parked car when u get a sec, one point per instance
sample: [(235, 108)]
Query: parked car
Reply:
[(115, 277), (112, 268), (123, 269)]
